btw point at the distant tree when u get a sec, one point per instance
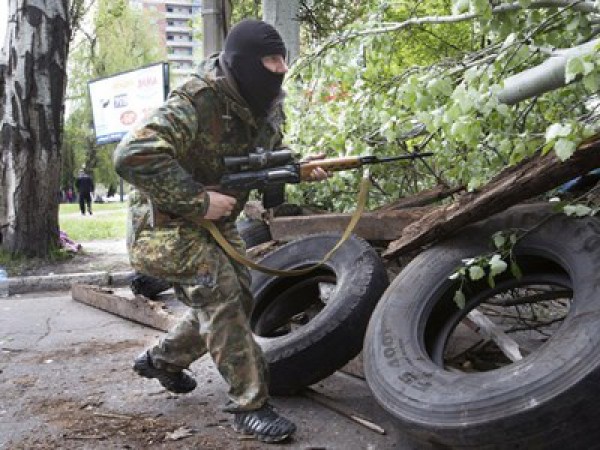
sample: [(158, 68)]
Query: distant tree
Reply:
[(33, 79)]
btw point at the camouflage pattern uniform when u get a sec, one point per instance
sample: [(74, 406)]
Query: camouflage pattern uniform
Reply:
[(171, 159)]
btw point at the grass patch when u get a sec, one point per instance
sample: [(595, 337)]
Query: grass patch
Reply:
[(108, 221)]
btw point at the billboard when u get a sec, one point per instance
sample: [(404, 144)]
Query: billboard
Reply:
[(121, 101)]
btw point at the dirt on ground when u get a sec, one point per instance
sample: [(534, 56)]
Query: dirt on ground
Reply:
[(66, 382)]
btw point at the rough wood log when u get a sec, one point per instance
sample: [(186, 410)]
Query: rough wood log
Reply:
[(532, 177), (373, 226), (422, 198)]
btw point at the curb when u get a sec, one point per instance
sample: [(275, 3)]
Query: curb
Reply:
[(63, 282)]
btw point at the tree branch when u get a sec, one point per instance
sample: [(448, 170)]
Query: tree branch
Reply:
[(582, 6)]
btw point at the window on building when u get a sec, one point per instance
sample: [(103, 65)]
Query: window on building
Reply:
[(169, 9), (169, 37)]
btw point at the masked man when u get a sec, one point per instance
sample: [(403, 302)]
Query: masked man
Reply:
[(230, 107)]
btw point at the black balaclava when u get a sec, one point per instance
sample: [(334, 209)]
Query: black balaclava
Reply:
[(245, 46)]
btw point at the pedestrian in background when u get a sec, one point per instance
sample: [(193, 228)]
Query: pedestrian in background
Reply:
[(85, 189)]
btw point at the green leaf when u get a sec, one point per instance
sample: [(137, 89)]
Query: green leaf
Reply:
[(577, 210), (497, 265), (491, 281), (515, 270), (564, 148), (460, 6), (574, 68), (499, 240), (476, 273), (592, 82), (547, 148), (557, 130), (459, 299)]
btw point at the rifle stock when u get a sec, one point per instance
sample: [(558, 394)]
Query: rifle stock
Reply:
[(328, 165)]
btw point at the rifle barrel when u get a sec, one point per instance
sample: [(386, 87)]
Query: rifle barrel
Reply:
[(375, 159)]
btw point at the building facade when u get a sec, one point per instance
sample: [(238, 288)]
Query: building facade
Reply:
[(175, 21)]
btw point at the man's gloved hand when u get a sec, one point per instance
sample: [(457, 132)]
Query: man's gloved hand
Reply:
[(318, 174), (219, 206)]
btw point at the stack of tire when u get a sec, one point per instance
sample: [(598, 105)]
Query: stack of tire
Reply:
[(306, 335)]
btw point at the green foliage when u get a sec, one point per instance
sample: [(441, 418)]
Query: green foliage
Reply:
[(489, 265), (245, 9), (108, 222), (363, 90)]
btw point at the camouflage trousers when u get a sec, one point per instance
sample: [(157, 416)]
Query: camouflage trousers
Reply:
[(218, 322)]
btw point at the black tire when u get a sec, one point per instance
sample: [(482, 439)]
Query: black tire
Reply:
[(547, 400), (253, 232), (304, 337)]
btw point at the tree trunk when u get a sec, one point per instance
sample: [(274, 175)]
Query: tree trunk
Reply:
[(215, 21), (32, 84), (284, 17)]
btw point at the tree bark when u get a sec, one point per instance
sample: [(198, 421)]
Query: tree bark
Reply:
[(284, 17), (32, 84), (546, 77), (532, 177)]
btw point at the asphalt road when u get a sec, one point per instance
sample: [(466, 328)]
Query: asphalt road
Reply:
[(66, 383)]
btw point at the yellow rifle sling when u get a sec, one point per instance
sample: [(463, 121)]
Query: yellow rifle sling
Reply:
[(232, 252)]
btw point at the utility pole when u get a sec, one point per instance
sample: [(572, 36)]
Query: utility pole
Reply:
[(215, 20), (283, 16)]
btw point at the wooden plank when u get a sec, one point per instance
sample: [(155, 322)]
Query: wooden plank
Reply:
[(533, 176), (137, 309), (372, 226), (479, 323), (355, 367)]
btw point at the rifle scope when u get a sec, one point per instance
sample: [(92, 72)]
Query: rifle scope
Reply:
[(261, 159)]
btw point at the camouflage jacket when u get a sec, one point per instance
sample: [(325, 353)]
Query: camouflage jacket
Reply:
[(178, 150)]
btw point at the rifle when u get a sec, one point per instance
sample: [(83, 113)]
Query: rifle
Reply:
[(270, 170)]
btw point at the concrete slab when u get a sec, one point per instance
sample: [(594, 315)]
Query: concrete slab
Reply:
[(66, 383)]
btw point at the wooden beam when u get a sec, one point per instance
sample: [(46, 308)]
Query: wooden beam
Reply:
[(422, 198), (533, 176), (372, 226), (479, 323), (136, 308)]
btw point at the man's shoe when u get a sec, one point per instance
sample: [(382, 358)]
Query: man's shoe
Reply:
[(264, 424), (178, 382)]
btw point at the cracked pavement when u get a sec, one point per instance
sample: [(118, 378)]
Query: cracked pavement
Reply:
[(66, 382)]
